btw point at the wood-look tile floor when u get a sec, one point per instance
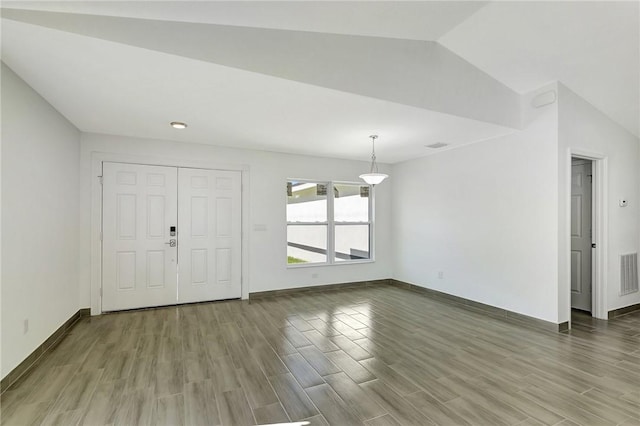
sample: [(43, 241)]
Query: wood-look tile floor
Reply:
[(373, 356)]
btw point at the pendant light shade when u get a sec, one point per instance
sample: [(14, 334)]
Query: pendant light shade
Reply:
[(373, 177)]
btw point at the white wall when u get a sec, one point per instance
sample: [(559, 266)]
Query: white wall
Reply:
[(583, 127), (2, 373), (40, 208), (486, 216), (267, 203)]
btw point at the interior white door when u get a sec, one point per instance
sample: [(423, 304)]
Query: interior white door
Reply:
[(209, 227), (581, 235), (139, 207)]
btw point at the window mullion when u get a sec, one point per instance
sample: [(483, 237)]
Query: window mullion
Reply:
[(331, 231)]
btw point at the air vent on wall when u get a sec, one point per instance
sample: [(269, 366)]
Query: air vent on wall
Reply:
[(545, 98), (628, 273), (437, 145)]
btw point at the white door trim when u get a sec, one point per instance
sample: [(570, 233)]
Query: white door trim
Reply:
[(97, 158), (600, 230)]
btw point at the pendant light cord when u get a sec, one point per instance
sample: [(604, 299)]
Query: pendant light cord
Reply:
[(374, 165)]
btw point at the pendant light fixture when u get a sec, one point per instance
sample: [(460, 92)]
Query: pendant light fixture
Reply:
[(373, 177)]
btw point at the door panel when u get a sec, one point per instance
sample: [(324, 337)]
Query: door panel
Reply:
[(139, 206), (581, 235), (209, 234)]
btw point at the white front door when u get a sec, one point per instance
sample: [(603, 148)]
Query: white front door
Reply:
[(209, 225), (140, 204), (581, 235), (141, 211)]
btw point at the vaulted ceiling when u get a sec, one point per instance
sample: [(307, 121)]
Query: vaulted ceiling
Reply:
[(320, 77)]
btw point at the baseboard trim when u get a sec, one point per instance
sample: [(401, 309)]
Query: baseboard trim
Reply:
[(37, 355), (310, 289), (492, 311), (623, 311)]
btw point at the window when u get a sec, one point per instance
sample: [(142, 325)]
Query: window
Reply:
[(328, 222)]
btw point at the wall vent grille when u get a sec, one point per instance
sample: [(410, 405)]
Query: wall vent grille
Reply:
[(437, 145), (628, 273)]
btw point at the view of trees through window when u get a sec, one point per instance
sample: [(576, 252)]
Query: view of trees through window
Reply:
[(328, 222)]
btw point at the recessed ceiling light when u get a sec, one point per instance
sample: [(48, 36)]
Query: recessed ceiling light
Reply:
[(178, 125)]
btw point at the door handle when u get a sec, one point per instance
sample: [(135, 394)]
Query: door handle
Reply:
[(172, 242)]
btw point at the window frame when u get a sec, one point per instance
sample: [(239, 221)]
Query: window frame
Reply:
[(331, 224)]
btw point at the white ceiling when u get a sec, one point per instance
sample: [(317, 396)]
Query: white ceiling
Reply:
[(593, 47), (109, 84), (415, 20)]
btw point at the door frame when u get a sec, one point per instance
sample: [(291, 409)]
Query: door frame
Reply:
[(97, 158), (599, 221)]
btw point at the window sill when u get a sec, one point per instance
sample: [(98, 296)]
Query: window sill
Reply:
[(314, 265)]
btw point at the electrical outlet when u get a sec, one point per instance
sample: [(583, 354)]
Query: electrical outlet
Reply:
[(440, 275), (26, 326)]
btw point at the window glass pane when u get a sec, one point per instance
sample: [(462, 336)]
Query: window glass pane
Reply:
[(306, 243), (351, 203), (306, 202), (352, 242)]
